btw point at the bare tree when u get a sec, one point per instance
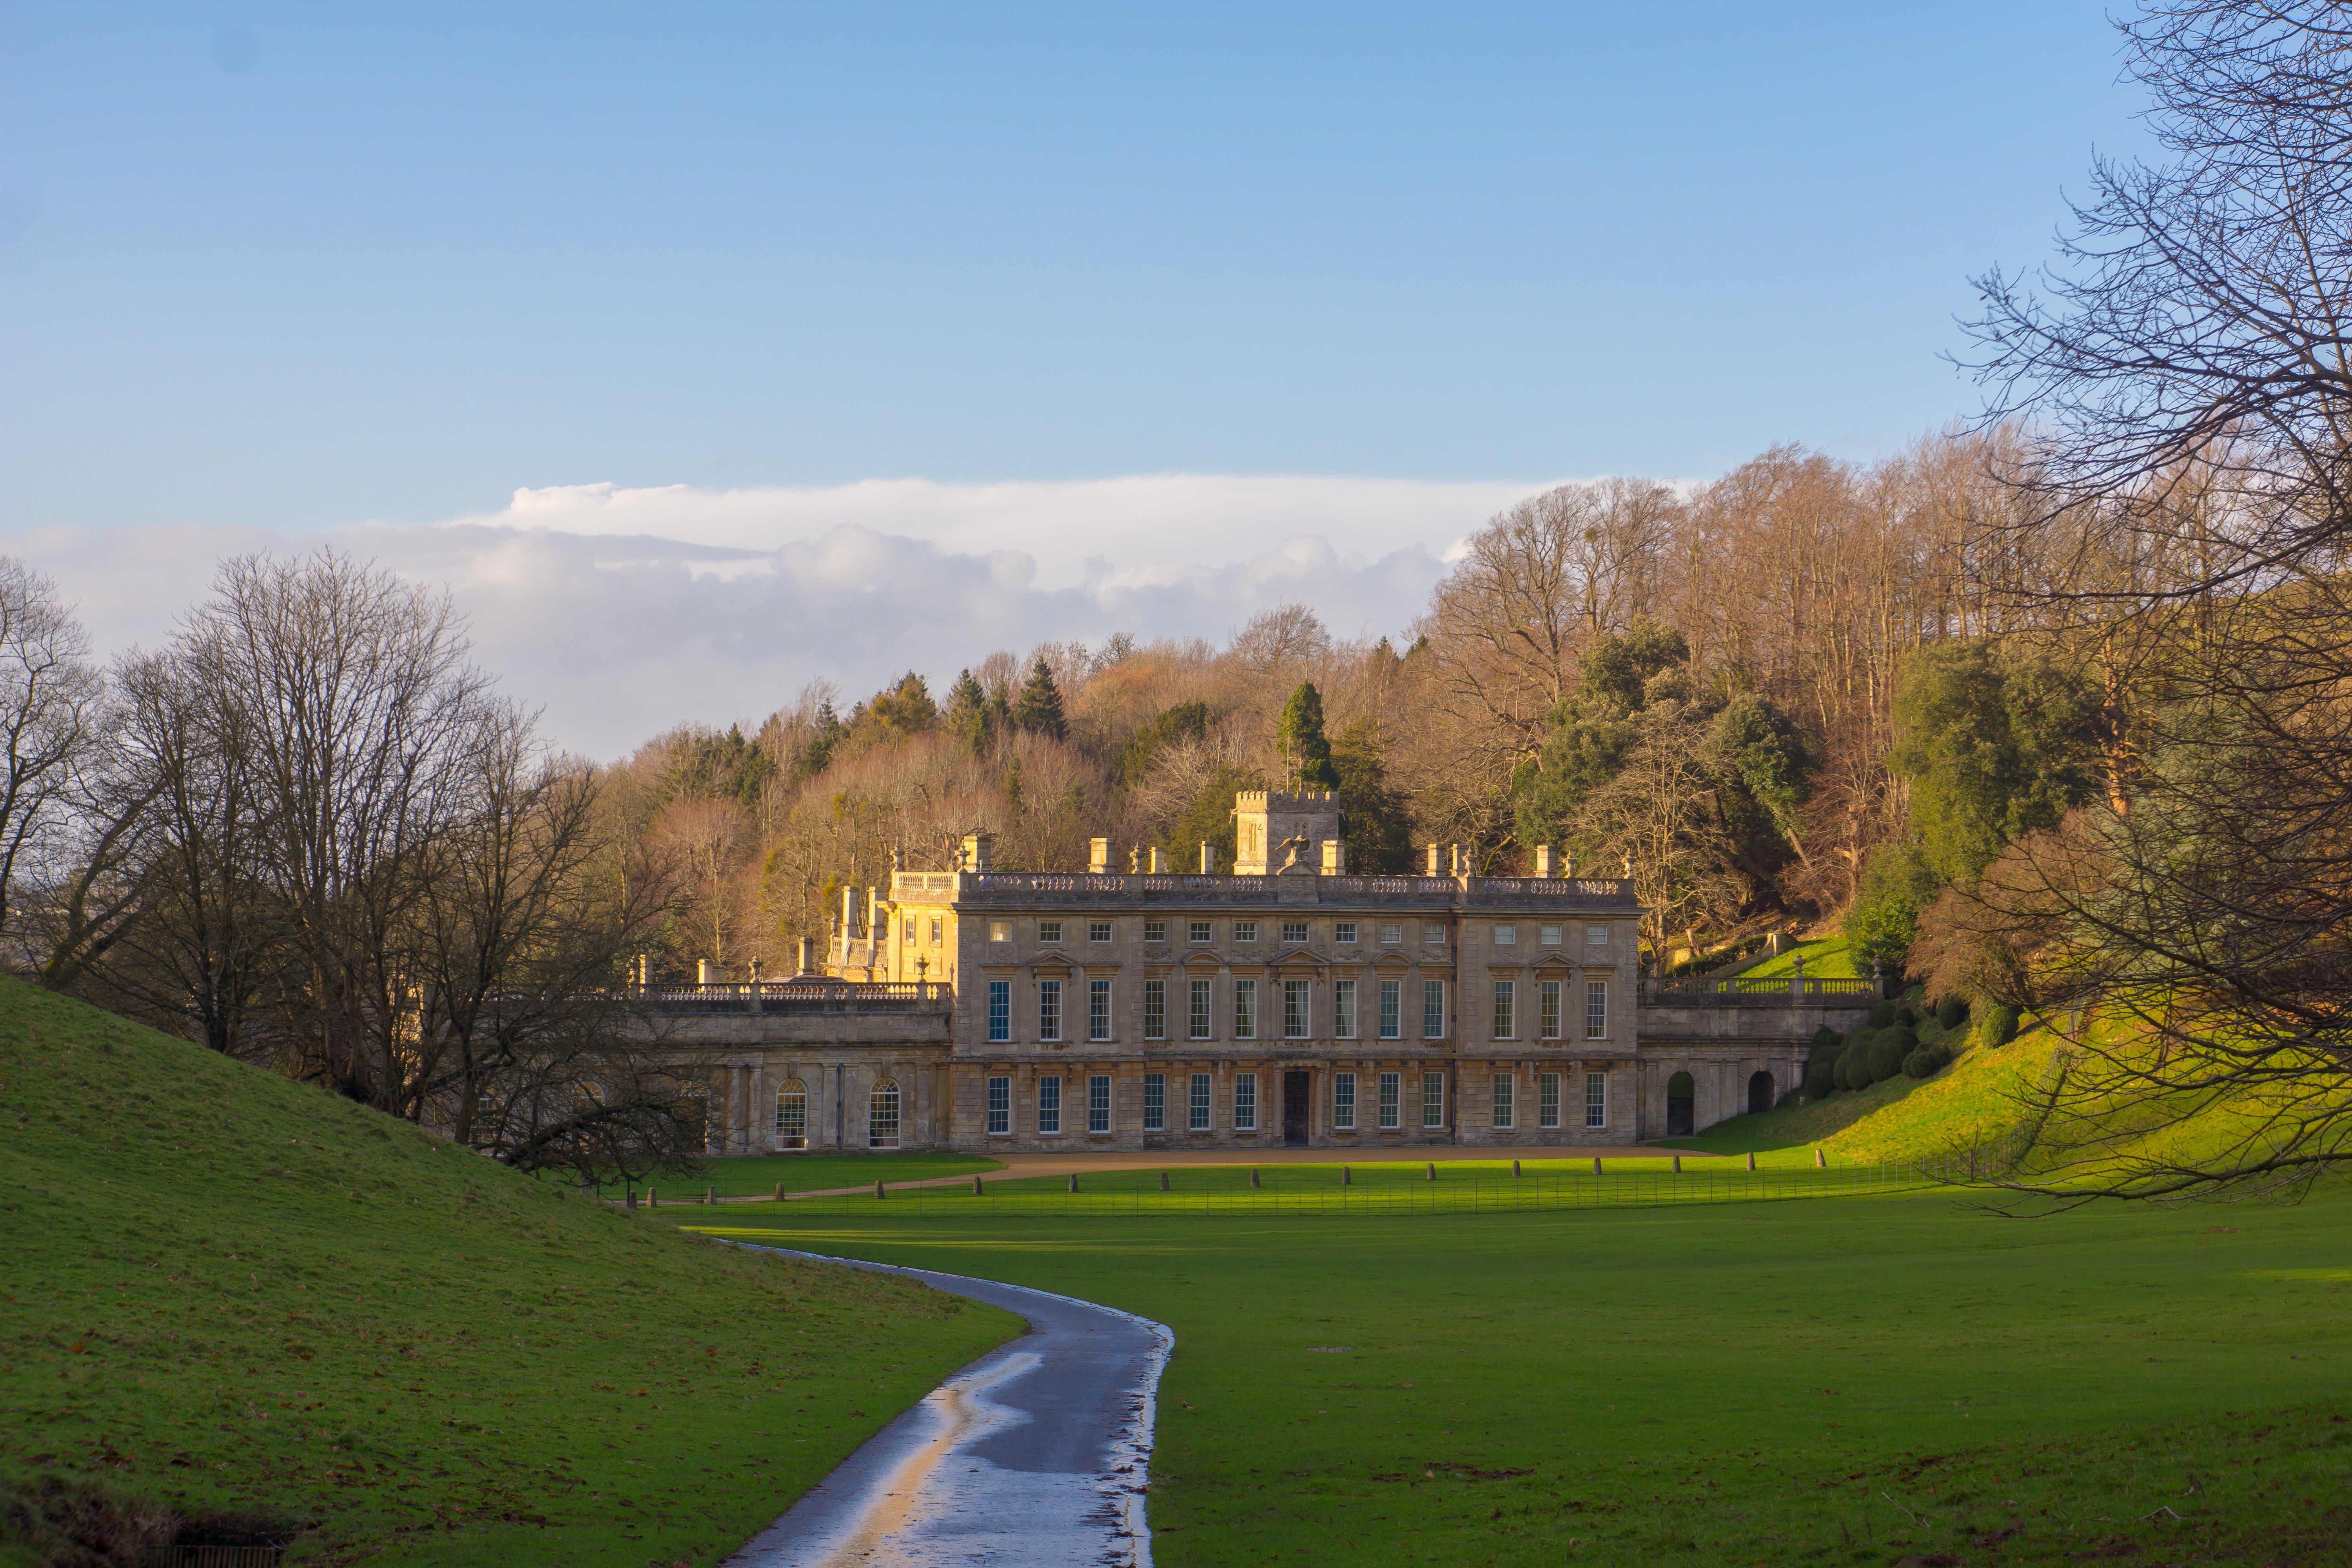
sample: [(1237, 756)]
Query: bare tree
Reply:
[(50, 700)]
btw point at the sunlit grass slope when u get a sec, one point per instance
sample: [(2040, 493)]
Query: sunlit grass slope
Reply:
[(1872, 1381), (228, 1293), (1827, 958)]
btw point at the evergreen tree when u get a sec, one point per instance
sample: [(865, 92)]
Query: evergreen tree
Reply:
[(1373, 822), (1299, 740), (968, 713), (1038, 709)]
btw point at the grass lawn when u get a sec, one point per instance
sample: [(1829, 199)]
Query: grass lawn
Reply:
[(746, 1175), (221, 1292), (1850, 1380), (1825, 959)]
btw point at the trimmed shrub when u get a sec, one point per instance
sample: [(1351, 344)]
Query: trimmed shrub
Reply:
[(1883, 1014), (1999, 1025), (1853, 1061), (1950, 1012), (1794, 1097), (1887, 1052), (1926, 1061)]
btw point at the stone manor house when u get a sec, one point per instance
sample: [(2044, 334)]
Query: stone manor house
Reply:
[(1283, 1002)]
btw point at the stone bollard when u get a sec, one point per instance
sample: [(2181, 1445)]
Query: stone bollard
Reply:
[(780, 1191), (1678, 1165), (1515, 1167), (1074, 1181), (1751, 1159), (877, 1189), (1821, 1161), (1164, 1181), (1596, 1164), (633, 1198), (1253, 1180), (1346, 1176), (653, 1198), (1433, 1169), (975, 1186)]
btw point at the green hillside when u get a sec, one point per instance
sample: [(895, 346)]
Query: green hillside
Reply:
[(237, 1306)]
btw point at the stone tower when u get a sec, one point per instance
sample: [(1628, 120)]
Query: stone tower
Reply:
[(1273, 828)]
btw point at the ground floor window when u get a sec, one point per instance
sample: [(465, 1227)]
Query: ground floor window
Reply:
[(1099, 1103), (1049, 1103), (1343, 1102), (882, 1115), (1000, 1105), (1547, 1099), (1433, 1099), (1505, 1109), (1199, 1102), (1245, 1102), (1596, 1100), (1155, 1102), (791, 1114), (1391, 1087)]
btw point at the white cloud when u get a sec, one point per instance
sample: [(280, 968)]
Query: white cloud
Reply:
[(626, 611)]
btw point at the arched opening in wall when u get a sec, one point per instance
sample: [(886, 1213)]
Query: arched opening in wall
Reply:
[(882, 1115), (1679, 1116), (791, 1114), (1760, 1092)]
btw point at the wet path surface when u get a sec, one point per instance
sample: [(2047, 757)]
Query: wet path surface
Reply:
[(1033, 1456)]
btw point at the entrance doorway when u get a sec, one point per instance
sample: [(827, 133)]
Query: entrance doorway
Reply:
[(1760, 1093), (1678, 1106), (1294, 1092)]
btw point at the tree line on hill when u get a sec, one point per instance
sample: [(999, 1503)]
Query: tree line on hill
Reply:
[(2051, 712)]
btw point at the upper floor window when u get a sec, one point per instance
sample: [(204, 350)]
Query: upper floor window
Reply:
[(1294, 930), (1434, 935), (1506, 1010), (1098, 930), (1098, 1009), (1391, 931), (1296, 1009), (1155, 1009), (1551, 936), (1049, 1009), (938, 928), (1596, 1009), (1049, 932), (1155, 930), (1344, 934), (999, 931), (1507, 936), (906, 931), (1199, 932), (1245, 1009), (1432, 1009), (1596, 936), (999, 1009), (1246, 931), (1200, 1014)]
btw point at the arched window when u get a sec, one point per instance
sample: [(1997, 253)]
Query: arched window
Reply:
[(1679, 1106), (1760, 1092), (791, 1114), (882, 1115)]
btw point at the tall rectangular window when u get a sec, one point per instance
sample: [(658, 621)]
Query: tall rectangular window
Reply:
[(1432, 1009), (1155, 1102), (1392, 1093), (1507, 1009), (1199, 1009), (1000, 1105), (999, 1009), (791, 1114), (1433, 1099), (1343, 1009), (1596, 1009), (1244, 1102), (1596, 1100), (1049, 1009), (1099, 1103), (1547, 998), (1547, 1099), (938, 930), (1098, 1009), (1343, 1102), (1391, 1009), (1199, 1106), (1505, 1097), (1245, 1009), (1155, 1009), (1297, 1009), (1049, 1103)]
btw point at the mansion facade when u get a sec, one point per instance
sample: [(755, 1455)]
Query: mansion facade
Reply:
[(1285, 1002)]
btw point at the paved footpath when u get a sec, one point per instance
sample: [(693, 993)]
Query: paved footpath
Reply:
[(1035, 1456)]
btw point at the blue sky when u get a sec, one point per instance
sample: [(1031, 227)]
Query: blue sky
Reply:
[(274, 269)]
